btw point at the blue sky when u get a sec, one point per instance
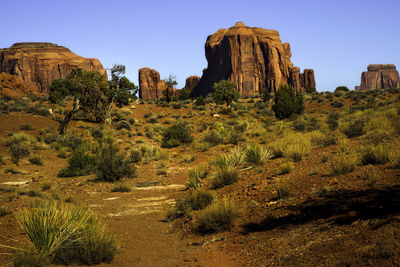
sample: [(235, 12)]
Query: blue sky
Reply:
[(337, 38)]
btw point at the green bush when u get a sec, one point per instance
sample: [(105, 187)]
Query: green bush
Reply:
[(184, 94), (135, 156), (26, 126), (344, 163), (225, 92), (19, 151), (287, 102), (111, 164), (123, 125), (218, 217), (197, 199), (199, 101), (375, 154), (342, 88), (333, 120), (176, 135), (79, 163), (36, 159)]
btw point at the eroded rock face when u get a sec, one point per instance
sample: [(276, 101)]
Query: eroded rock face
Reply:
[(150, 85), (192, 82), (38, 64), (11, 86), (253, 58), (380, 76)]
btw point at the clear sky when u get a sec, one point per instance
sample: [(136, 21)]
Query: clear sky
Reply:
[(336, 38)]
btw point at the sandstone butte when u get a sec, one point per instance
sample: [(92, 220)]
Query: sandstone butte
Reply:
[(253, 58), (150, 85), (380, 76), (36, 65)]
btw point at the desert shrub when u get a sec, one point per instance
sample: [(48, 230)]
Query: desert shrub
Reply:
[(324, 138), (176, 134), (135, 156), (21, 137), (213, 137), (337, 104), (256, 155), (306, 124), (64, 234), (333, 120), (111, 164), (176, 105), (292, 146), (187, 159), (199, 199), (342, 88), (394, 156), (26, 126), (218, 217), (232, 159), (121, 187), (378, 136), (4, 211), (375, 154), (286, 167), (152, 119), (97, 133), (354, 128), (344, 163), (194, 182), (287, 102), (69, 140), (19, 151), (79, 163), (148, 115), (282, 191), (36, 159), (198, 173), (150, 153), (225, 176), (2, 162), (123, 125)]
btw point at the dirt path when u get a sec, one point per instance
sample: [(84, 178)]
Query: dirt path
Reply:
[(137, 218)]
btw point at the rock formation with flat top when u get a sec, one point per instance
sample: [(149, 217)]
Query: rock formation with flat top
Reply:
[(380, 76), (38, 64), (192, 82), (253, 58)]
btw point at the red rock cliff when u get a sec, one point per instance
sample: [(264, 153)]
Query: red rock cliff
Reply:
[(381, 76), (254, 58), (38, 64)]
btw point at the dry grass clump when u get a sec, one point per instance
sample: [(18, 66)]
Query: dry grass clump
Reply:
[(195, 199), (292, 146), (324, 138), (121, 187), (375, 154), (286, 167), (218, 217), (344, 163), (62, 234), (225, 176)]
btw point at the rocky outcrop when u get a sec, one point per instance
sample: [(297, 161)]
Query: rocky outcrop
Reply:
[(38, 64), (382, 76), (150, 85), (11, 86), (253, 58), (192, 82)]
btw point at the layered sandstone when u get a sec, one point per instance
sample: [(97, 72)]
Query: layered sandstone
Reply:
[(150, 85), (38, 64), (253, 58), (380, 76)]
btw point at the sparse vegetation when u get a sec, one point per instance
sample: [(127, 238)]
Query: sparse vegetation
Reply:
[(176, 135)]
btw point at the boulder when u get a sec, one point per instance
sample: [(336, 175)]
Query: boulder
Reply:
[(192, 82), (253, 58), (380, 76), (38, 64)]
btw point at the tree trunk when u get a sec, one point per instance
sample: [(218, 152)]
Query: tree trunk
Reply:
[(68, 117)]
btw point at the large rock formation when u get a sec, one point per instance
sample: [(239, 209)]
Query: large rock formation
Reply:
[(254, 58), (150, 85), (38, 64), (381, 76), (192, 82)]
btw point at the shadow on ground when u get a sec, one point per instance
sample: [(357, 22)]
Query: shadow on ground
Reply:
[(340, 207)]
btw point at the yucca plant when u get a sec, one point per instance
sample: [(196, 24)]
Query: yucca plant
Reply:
[(231, 159), (64, 233), (256, 155)]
